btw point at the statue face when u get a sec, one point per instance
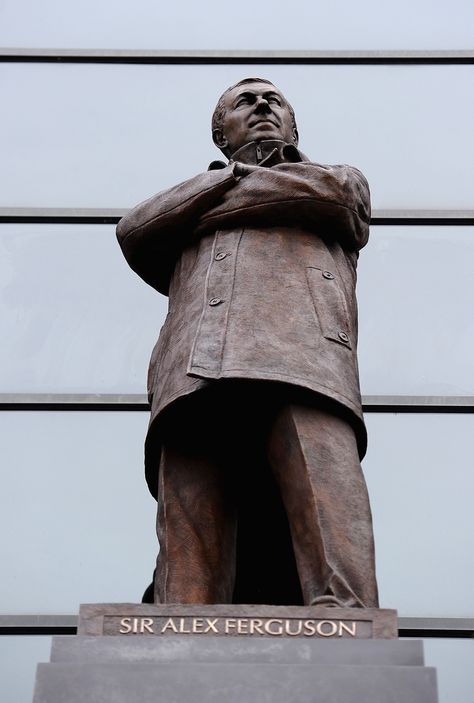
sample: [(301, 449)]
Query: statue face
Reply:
[(254, 112)]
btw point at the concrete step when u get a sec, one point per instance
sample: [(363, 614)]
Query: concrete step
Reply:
[(285, 650), (148, 682)]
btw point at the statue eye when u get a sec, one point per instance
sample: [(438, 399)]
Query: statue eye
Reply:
[(244, 100)]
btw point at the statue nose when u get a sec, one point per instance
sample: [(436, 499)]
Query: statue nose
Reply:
[(262, 105)]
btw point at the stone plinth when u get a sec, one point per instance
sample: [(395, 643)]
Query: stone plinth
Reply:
[(237, 621), (124, 682), (215, 650), (236, 654)]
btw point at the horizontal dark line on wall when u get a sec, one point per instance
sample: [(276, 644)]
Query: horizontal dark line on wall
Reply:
[(418, 219), (137, 402), (93, 216), (38, 624), (118, 56), (458, 628), (417, 404), (66, 215), (73, 401)]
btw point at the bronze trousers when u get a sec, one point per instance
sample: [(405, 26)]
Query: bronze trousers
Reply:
[(314, 461)]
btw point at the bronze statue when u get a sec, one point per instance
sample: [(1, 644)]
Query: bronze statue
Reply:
[(256, 430)]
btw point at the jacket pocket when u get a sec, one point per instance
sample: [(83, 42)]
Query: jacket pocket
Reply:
[(330, 305)]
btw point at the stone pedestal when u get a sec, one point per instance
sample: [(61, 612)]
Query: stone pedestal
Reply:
[(237, 621), (234, 654)]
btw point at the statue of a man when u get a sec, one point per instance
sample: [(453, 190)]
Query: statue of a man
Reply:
[(256, 431)]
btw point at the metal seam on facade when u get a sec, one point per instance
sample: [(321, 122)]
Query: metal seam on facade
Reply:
[(20, 624), (235, 57), (36, 215), (124, 401)]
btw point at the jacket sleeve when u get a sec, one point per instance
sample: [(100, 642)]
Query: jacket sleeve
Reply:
[(156, 231), (334, 201)]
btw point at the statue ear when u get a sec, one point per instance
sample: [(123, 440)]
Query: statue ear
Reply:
[(295, 136), (219, 138)]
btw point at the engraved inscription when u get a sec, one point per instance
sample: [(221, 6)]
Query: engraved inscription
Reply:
[(136, 626), (259, 627)]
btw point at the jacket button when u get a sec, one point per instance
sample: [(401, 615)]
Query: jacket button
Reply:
[(328, 275), (220, 255), (343, 336), (215, 301)]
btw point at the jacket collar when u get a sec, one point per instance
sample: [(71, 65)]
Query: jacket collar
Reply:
[(266, 153)]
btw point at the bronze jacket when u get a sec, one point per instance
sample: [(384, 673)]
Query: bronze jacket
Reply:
[(260, 272)]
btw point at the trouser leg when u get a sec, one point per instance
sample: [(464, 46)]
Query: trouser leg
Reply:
[(196, 528), (315, 462)]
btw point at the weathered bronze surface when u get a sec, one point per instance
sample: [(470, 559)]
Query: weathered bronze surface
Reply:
[(256, 430)]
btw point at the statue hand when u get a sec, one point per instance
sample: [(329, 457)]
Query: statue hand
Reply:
[(241, 170)]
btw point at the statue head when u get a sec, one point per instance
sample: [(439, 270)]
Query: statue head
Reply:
[(252, 110)]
